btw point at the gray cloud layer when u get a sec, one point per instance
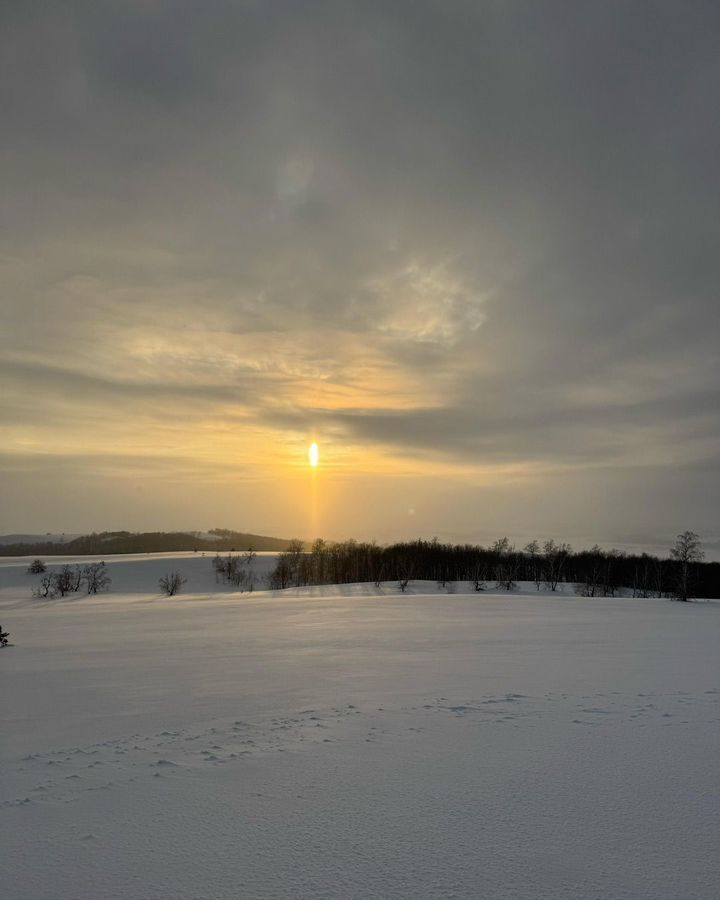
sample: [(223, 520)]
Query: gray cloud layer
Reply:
[(485, 232)]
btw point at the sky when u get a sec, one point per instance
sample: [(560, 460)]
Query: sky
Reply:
[(469, 248)]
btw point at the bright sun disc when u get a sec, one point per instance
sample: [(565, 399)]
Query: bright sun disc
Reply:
[(314, 455)]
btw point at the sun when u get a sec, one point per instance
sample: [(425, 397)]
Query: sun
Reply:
[(314, 455)]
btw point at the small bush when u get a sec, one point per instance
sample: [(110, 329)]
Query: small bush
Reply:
[(46, 587), (68, 580), (171, 583), (96, 577), (36, 567)]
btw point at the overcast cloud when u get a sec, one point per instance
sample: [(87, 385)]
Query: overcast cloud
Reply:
[(470, 247)]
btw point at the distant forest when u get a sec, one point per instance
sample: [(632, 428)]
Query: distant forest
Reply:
[(107, 543), (592, 573)]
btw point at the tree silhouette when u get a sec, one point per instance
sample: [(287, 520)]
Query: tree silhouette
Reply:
[(171, 583), (686, 552)]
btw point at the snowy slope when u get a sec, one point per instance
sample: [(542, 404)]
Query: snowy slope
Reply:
[(340, 743), (136, 573)]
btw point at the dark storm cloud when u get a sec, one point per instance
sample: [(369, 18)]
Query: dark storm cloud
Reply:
[(513, 205)]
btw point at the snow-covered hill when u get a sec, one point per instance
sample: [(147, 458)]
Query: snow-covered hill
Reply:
[(135, 573), (353, 743)]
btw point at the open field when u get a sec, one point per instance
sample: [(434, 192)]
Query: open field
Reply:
[(350, 743)]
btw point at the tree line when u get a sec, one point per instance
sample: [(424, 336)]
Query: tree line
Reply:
[(592, 573)]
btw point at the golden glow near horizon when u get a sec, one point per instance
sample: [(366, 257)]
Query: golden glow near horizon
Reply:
[(314, 455)]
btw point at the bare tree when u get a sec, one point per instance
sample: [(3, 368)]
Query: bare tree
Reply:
[(36, 567), (65, 581), (501, 545), (378, 574), (96, 578), (406, 566), (235, 569), (171, 583), (554, 556), (294, 553), (218, 565), (249, 556), (658, 579), (532, 551), (610, 572), (78, 576), (643, 577), (590, 587), (46, 587), (288, 571), (478, 572), (687, 552), (506, 567), (248, 559), (70, 579), (280, 577)]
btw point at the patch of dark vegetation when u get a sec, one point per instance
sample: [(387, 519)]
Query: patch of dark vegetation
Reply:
[(593, 573), (93, 578)]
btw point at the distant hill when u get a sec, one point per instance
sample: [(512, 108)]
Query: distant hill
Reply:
[(48, 538), (108, 542)]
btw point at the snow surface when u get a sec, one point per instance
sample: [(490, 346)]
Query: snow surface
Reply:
[(350, 743)]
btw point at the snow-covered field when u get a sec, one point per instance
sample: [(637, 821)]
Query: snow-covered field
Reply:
[(349, 743)]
